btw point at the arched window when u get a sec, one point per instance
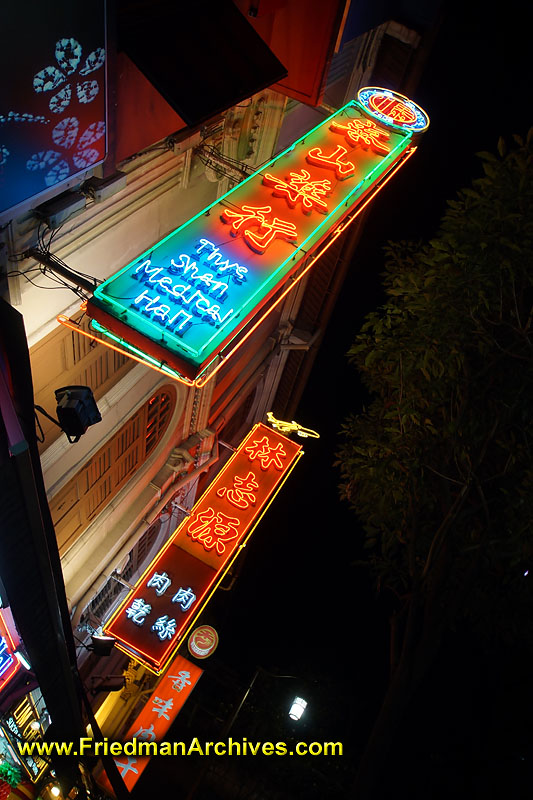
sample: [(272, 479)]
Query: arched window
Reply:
[(158, 414), (77, 504)]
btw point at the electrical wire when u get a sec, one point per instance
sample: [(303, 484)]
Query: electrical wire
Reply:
[(167, 145), (78, 272), (38, 424), (48, 273), (211, 156)]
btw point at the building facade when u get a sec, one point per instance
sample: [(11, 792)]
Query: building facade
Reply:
[(117, 494)]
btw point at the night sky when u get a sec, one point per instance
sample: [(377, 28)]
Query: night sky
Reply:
[(299, 607)]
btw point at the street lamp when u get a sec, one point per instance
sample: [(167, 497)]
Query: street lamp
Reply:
[(298, 707), (296, 711)]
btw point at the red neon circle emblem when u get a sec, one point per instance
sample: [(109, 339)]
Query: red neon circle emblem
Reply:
[(203, 641), (392, 107)]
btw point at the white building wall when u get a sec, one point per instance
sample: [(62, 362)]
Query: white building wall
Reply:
[(163, 190)]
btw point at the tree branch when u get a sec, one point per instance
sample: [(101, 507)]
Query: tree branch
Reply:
[(456, 506)]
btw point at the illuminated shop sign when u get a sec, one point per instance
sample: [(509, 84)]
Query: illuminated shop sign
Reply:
[(187, 298), (166, 701), (159, 611), (9, 664), (23, 723)]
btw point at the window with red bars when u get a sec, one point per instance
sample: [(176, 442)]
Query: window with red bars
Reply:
[(158, 414)]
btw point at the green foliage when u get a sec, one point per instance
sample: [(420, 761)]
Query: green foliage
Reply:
[(10, 774), (439, 466)]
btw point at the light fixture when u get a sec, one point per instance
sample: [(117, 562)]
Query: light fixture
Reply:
[(298, 707), (55, 790), (23, 659), (102, 645), (76, 411)]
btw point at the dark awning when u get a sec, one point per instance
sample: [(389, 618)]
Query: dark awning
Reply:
[(202, 57)]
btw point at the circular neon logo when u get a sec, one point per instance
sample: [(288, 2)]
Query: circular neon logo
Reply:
[(393, 108), (203, 641)]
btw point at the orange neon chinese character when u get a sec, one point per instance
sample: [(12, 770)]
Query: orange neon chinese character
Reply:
[(301, 188), (343, 169), (266, 454), (365, 133), (242, 494), (213, 530), (266, 232)]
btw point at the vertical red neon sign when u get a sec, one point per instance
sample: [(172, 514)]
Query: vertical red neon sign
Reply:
[(162, 708), (156, 615)]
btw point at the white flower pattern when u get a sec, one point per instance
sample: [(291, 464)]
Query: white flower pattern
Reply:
[(68, 54), (60, 101), (87, 91), (84, 158), (65, 132), (91, 134), (59, 172), (42, 160)]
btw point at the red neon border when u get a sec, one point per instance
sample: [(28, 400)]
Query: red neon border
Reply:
[(14, 668), (159, 665)]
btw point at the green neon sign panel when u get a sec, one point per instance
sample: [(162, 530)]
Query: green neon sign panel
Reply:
[(187, 297)]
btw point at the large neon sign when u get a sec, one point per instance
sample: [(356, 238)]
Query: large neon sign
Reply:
[(185, 300), (157, 614)]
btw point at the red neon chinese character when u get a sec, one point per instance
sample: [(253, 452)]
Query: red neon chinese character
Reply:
[(365, 133), (242, 494), (265, 233), (266, 454), (393, 108), (213, 530), (343, 169), (300, 187)]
